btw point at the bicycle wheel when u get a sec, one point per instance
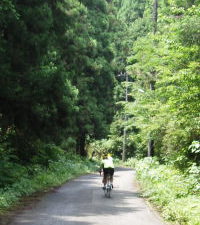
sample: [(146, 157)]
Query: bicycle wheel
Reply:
[(108, 187), (108, 191), (105, 192)]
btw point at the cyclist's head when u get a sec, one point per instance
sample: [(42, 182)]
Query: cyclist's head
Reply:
[(109, 155), (104, 156)]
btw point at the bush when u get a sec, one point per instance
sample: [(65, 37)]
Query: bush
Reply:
[(131, 162), (46, 153), (10, 172), (177, 194), (184, 210)]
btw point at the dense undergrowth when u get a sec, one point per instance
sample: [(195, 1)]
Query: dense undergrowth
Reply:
[(175, 193), (37, 178)]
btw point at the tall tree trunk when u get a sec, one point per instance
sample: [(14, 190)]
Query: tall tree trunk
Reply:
[(124, 151), (81, 145), (150, 148), (124, 146), (77, 146), (150, 144), (155, 16)]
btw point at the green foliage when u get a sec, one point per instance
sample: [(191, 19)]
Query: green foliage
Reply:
[(100, 147), (46, 153), (175, 193), (165, 65), (96, 79), (10, 172), (56, 73), (195, 147), (184, 210), (131, 162), (37, 99), (133, 22)]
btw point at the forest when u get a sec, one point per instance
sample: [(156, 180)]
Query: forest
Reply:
[(79, 77)]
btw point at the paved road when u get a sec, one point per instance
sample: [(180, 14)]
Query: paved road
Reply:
[(81, 202)]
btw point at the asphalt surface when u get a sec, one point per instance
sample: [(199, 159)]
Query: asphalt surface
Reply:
[(82, 202)]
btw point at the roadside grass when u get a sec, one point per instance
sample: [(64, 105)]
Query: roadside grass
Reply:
[(176, 194), (118, 162), (42, 179)]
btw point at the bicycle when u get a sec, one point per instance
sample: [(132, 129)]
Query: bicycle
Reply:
[(108, 187)]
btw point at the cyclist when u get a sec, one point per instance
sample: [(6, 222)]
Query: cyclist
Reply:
[(108, 168)]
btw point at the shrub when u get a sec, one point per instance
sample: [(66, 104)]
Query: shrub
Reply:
[(176, 193), (10, 173)]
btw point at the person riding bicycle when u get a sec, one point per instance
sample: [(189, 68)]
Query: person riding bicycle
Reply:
[(108, 168)]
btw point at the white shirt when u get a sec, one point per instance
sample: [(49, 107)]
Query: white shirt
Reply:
[(108, 163)]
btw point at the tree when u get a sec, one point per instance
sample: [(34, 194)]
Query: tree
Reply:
[(95, 81), (169, 113)]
